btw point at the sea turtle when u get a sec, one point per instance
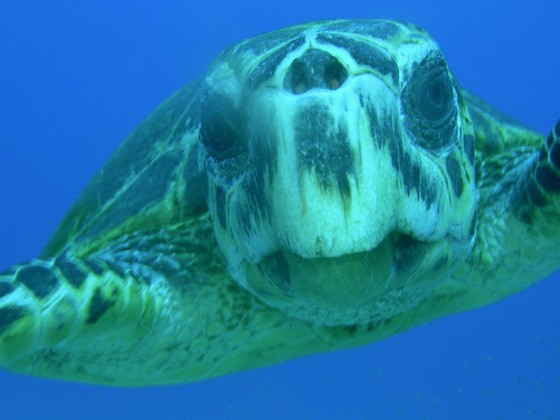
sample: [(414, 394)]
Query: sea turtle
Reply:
[(323, 186)]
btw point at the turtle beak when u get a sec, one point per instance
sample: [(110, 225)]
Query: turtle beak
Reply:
[(318, 179)]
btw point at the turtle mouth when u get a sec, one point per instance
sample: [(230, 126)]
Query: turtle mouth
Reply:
[(339, 286)]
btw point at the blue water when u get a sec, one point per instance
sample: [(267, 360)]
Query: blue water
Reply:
[(74, 80)]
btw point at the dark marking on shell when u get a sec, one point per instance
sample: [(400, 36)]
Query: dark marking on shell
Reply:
[(8, 315), (454, 170), (323, 148), (149, 188), (98, 306), (167, 124), (70, 271), (152, 184), (38, 279), (6, 288)]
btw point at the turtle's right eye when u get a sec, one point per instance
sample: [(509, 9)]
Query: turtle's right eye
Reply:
[(435, 99), (220, 126), (429, 103)]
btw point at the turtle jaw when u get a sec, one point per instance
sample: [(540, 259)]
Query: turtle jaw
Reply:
[(356, 287)]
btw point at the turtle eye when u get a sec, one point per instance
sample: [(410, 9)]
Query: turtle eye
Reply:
[(429, 103), (220, 125), (435, 100)]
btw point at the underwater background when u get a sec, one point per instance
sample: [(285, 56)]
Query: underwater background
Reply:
[(75, 79)]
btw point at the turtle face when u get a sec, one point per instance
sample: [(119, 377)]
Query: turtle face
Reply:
[(339, 163)]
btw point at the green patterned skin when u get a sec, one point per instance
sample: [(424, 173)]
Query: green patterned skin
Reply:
[(150, 279)]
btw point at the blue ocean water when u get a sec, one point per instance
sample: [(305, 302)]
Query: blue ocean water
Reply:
[(76, 78)]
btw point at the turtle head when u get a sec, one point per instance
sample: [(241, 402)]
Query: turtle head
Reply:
[(339, 164)]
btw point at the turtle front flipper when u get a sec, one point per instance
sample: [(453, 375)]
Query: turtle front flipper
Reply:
[(518, 232), (154, 307), (543, 185), (78, 318), (45, 304)]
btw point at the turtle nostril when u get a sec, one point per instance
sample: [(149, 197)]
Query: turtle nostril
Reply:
[(335, 75), (333, 84), (315, 69), (298, 80)]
